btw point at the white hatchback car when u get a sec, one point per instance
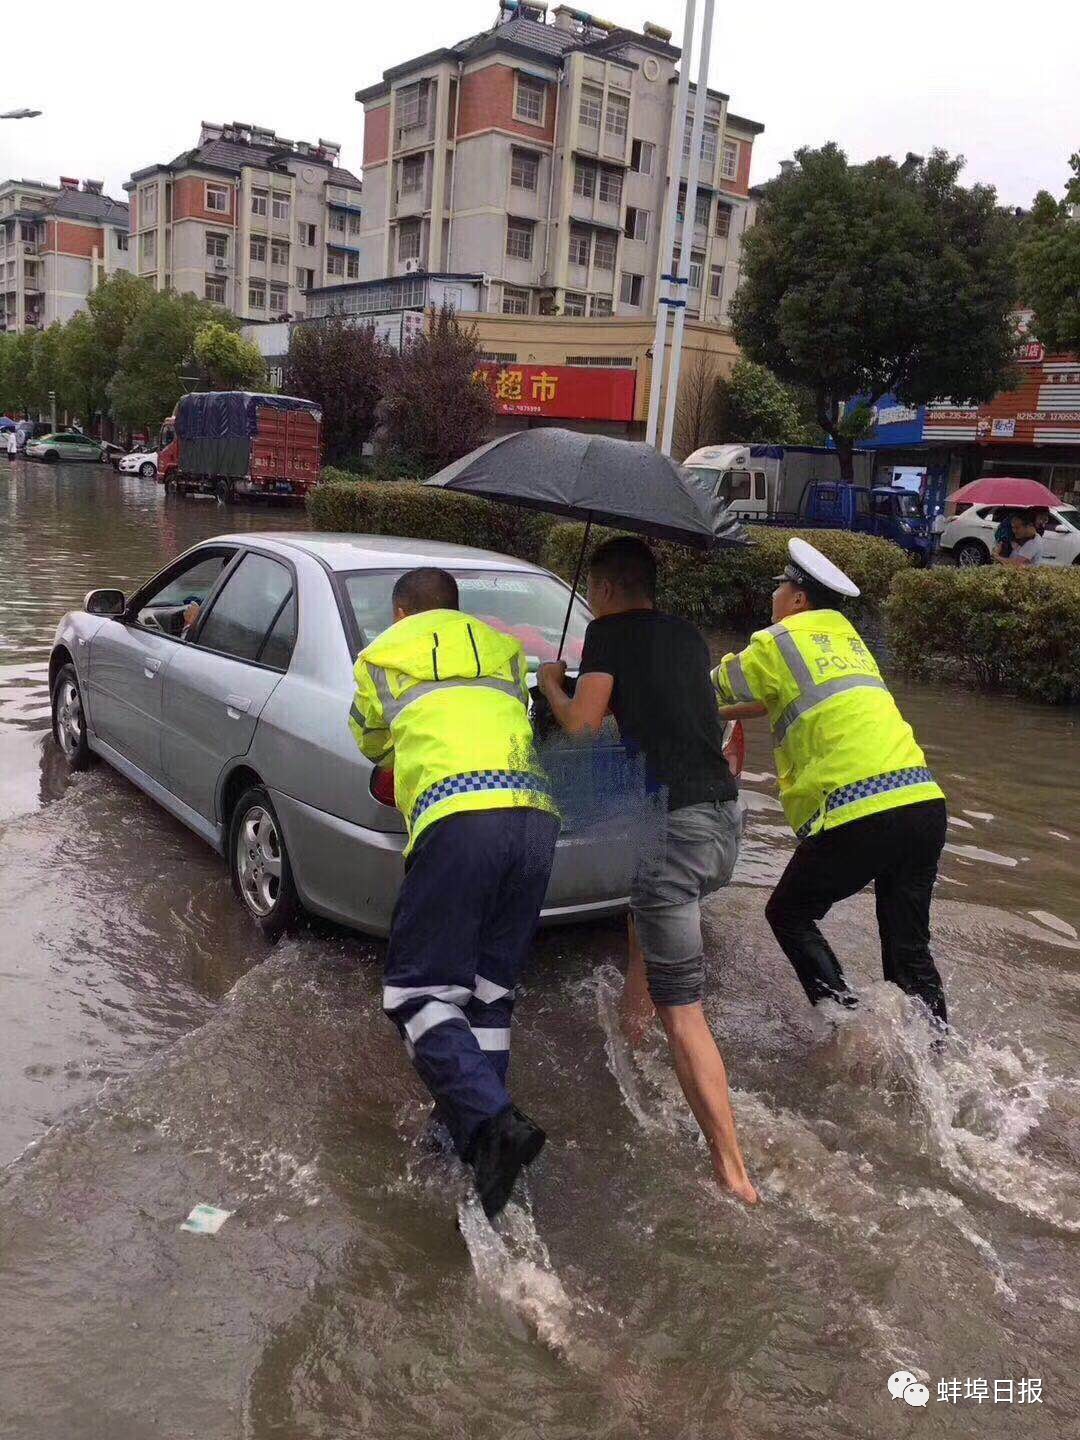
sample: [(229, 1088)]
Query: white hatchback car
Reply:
[(141, 463), (969, 536)]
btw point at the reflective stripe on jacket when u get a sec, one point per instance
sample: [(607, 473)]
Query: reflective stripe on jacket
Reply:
[(446, 696), (843, 750)]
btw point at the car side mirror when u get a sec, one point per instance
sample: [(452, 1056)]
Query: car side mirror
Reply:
[(105, 602)]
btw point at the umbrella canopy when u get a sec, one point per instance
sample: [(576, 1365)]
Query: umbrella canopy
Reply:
[(623, 483), (1004, 490)]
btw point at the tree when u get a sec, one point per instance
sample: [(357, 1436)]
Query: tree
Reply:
[(229, 361), (434, 407), (884, 278), (1049, 259), (341, 366), (751, 405), (695, 409), (86, 367), (157, 348)]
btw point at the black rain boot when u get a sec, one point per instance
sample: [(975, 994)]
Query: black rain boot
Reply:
[(498, 1152)]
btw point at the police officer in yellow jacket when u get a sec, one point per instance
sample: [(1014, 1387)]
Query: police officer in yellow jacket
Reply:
[(444, 698), (853, 782)]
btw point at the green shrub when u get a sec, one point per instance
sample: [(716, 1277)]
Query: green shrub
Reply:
[(997, 627), (733, 586)]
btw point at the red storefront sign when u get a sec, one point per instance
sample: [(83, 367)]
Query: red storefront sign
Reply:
[(561, 392), (1044, 409)]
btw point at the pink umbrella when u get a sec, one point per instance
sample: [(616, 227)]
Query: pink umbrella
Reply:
[(1004, 490)]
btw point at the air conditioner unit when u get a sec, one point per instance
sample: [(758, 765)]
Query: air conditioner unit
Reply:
[(413, 266), (29, 247), (220, 263)]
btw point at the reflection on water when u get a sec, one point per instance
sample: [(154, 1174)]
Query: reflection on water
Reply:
[(920, 1210)]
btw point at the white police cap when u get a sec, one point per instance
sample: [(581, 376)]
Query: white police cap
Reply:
[(809, 567)]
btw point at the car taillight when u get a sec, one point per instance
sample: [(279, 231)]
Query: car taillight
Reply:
[(735, 746), (382, 785)]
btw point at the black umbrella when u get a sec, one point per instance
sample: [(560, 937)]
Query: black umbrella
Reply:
[(623, 483)]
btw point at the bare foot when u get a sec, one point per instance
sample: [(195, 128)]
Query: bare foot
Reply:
[(733, 1177)]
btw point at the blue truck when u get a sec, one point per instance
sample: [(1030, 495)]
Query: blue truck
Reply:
[(799, 487)]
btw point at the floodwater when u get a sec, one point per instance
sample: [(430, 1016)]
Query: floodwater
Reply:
[(921, 1212)]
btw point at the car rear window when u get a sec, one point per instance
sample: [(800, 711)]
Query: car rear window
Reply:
[(531, 607)]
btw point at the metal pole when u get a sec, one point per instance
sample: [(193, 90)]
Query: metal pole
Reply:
[(667, 238), (574, 587), (688, 223), (52, 408)]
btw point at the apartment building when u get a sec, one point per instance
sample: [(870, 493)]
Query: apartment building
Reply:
[(57, 242), (538, 153), (247, 219)]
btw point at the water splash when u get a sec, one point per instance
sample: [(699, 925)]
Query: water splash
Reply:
[(608, 984)]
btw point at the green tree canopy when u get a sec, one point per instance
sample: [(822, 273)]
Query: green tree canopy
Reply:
[(341, 366), (865, 280), (751, 405), (1050, 267), (228, 360), (157, 349), (86, 367)]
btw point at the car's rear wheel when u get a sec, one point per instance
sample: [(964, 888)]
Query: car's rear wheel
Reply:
[(68, 719), (224, 492), (147, 471), (971, 552), (259, 864), (51, 457)]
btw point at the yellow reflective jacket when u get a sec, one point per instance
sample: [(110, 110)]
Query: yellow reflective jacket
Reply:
[(445, 696), (843, 750)]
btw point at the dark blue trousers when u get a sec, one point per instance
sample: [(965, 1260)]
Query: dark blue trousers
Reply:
[(460, 935)]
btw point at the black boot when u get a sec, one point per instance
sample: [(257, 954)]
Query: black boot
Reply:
[(498, 1152)]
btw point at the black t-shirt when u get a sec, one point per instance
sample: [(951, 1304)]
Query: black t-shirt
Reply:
[(663, 701)]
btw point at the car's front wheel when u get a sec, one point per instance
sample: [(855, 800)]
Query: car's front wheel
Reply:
[(51, 457), (259, 864), (971, 552), (148, 470), (68, 719)]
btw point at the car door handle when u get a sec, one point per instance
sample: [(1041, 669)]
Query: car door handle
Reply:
[(151, 665), (236, 705)]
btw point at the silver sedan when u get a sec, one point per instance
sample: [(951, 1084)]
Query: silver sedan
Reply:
[(222, 688)]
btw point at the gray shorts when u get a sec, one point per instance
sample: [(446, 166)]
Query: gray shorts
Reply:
[(695, 856)]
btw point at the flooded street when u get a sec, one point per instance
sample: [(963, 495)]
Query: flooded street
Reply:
[(921, 1211)]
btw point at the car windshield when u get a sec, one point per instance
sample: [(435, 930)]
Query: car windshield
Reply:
[(530, 606), (911, 506), (1069, 517)]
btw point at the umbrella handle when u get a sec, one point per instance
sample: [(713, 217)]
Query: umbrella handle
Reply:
[(574, 587)]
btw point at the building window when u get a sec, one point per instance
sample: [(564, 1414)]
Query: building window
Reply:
[(121, 240), (256, 295), (354, 224), (729, 161), (723, 219), (709, 138), (611, 187), (600, 305), (524, 169), (514, 301), (257, 249), (352, 267), (702, 206), (412, 176), (716, 282), (637, 223), (305, 278), (147, 212), (279, 252), (214, 289), (275, 374), (530, 99), (217, 199), (630, 288), (336, 223), (584, 179), (573, 303), (641, 156), (217, 246), (697, 263), (258, 202), (279, 299), (616, 116), (498, 357), (411, 105), (611, 362), (335, 263), (408, 240), (280, 206), (148, 246), (28, 232), (592, 102), (580, 244), (604, 251), (519, 239), (307, 235)]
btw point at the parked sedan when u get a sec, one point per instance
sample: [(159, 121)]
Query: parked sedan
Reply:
[(139, 462), (63, 445), (222, 689), (969, 536)]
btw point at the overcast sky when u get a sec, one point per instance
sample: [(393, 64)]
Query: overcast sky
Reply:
[(125, 85)]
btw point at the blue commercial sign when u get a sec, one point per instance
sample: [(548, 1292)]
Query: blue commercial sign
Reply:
[(894, 423)]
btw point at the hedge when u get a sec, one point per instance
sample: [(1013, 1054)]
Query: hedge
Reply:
[(999, 628), (733, 586)]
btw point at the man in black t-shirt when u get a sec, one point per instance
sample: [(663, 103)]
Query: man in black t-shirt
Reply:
[(652, 672)]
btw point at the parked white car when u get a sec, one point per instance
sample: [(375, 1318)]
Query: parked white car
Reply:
[(141, 462), (969, 536)]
